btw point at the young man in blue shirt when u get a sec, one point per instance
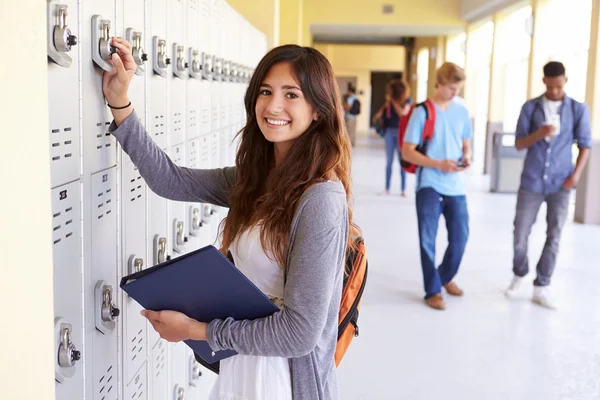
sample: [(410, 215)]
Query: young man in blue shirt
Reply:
[(548, 127), (440, 189)]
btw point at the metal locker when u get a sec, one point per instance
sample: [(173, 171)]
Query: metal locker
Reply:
[(68, 305), (205, 86), (178, 368), (199, 231), (133, 259), (159, 372), (101, 286), (200, 381), (160, 56), (194, 83), (137, 389), (132, 27), (179, 71), (63, 89), (178, 227), (99, 147)]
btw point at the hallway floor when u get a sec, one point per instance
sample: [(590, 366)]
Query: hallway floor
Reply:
[(483, 346)]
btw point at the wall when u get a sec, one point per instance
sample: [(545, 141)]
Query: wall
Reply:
[(408, 12), (263, 14), (26, 372), (359, 61), (472, 10), (291, 21)]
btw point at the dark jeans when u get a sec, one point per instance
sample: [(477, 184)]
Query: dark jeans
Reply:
[(430, 205), (528, 205), (391, 147)]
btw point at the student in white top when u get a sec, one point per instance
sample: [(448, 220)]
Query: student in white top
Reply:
[(287, 225)]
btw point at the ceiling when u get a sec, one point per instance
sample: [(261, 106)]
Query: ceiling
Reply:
[(388, 34)]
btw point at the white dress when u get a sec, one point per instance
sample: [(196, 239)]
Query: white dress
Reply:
[(244, 377)]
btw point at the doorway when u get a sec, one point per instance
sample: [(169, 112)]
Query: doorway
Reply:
[(379, 81)]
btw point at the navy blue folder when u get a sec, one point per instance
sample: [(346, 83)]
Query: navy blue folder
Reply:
[(204, 285)]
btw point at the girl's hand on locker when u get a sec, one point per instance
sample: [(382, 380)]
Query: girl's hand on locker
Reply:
[(174, 326), (116, 83)]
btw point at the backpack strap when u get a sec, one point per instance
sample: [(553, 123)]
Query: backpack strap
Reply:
[(575, 119)]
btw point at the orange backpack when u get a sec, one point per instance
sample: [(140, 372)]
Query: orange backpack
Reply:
[(355, 279)]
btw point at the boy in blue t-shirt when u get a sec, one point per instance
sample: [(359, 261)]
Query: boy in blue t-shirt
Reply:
[(440, 189)]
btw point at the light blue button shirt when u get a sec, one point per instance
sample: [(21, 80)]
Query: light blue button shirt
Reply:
[(549, 164), (350, 101), (452, 127)]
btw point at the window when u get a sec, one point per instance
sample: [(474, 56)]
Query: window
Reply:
[(422, 74)]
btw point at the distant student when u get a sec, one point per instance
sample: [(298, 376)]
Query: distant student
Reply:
[(287, 226), (440, 190), (395, 107), (548, 127), (352, 109)]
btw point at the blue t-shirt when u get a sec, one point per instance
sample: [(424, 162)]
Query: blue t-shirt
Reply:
[(452, 127), (350, 101)]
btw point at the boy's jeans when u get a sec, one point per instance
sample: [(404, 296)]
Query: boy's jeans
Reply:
[(430, 205)]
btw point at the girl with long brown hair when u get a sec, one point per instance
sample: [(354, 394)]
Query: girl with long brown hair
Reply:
[(287, 226)]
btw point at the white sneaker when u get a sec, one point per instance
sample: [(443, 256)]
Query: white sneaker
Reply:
[(541, 296), (514, 286)]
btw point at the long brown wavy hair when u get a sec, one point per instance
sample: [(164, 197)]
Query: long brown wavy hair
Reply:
[(268, 194)]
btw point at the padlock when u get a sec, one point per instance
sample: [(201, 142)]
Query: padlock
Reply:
[(68, 355), (63, 38), (106, 47), (109, 311)]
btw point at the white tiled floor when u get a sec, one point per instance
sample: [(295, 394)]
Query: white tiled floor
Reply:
[(483, 346)]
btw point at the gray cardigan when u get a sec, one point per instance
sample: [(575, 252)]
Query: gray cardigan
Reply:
[(305, 330)]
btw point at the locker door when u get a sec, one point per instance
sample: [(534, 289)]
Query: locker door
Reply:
[(209, 219), (159, 249), (132, 27), (98, 18), (133, 236), (205, 86), (199, 380), (178, 371), (199, 232), (101, 290), (179, 71), (138, 388), (160, 57), (159, 373), (63, 90), (178, 226), (193, 86), (68, 304)]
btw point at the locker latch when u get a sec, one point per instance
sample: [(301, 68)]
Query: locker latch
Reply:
[(179, 393), (160, 250), (135, 264), (60, 37), (107, 312), (234, 72), (180, 65), (209, 211), (102, 48), (68, 355), (226, 70), (196, 64), (137, 51), (180, 239), (218, 68), (196, 220), (207, 66), (160, 61), (195, 371)]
